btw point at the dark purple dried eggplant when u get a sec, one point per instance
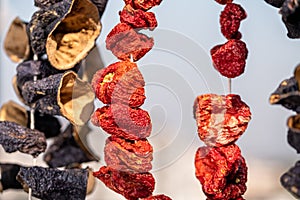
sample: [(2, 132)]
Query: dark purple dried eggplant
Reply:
[(14, 137), (65, 151), (291, 180), (294, 132), (8, 176), (50, 183), (290, 12), (275, 3), (44, 4)]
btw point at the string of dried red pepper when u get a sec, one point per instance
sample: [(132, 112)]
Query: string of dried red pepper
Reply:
[(222, 119), (128, 153)]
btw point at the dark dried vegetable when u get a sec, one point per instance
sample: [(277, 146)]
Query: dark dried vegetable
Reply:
[(44, 4), (125, 43), (221, 119), (8, 176), (138, 18), (144, 5), (222, 171), (275, 3), (131, 185), (290, 12), (65, 151), (123, 121), (128, 155), (158, 197), (121, 82), (294, 132), (287, 94), (47, 105), (50, 184), (291, 180), (14, 137), (100, 4)]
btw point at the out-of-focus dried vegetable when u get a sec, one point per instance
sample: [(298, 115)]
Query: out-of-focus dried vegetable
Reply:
[(74, 35), (49, 183), (16, 42), (294, 132), (47, 105), (121, 82), (290, 12), (8, 176), (291, 180), (275, 3), (14, 137), (131, 185)]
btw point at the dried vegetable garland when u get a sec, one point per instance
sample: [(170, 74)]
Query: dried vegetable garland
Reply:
[(287, 93), (222, 119), (128, 153), (49, 50)]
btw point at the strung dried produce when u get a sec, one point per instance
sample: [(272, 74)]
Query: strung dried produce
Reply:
[(8, 174), (131, 185), (65, 151), (121, 82), (275, 3), (14, 137), (49, 183), (291, 180), (221, 119), (158, 197), (294, 132), (144, 5), (16, 42), (128, 155), (222, 172), (125, 43), (290, 12), (74, 35), (100, 4), (123, 121), (47, 105), (44, 4), (138, 18)]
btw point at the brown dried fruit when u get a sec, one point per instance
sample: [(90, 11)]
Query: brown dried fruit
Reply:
[(125, 43), (121, 82), (221, 119), (123, 121)]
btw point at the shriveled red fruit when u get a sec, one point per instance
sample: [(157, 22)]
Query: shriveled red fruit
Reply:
[(230, 20), (158, 197), (125, 43), (128, 155), (123, 121), (138, 18), (120, 83), (223, 2), (131, 185), (230, 58), (143, 4), (221, 119), (222, 171)]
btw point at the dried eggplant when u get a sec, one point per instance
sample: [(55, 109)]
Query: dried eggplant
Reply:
[(65, 151), (14, 137), (294, 132), (290, 180), (50, 183), (73, 35), (45, 3), (8, 174), (16, 42), (290, 12), (47, 105)]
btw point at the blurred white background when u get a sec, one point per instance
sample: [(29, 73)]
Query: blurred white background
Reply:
[(176, 71)]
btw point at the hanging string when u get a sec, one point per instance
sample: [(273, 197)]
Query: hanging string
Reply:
[(229, 85)]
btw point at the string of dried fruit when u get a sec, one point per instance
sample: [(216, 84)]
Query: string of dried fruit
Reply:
[(128, 153), (49, 50), (222, 119)]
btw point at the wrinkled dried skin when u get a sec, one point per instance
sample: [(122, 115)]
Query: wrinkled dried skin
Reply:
[(126, 44), (123, 121), (131, 185), (128, 155), (65, 151), (143, 5), (47, 105), (14, 137), (222, 171), (230, 20), (287, 94), (50, 184), (74, 36), (13, 112), (75, 99), (44, 4), (293, 136), (17, 90), (16, 42), (291, 180), (121, 82), (158, 197), (8, 176), (138, 18), (221, 120), (275, 3), (230, 58)]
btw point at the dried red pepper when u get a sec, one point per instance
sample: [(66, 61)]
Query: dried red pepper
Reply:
[(131, 185), (144, 4), (128, 155), (221, 119), (222, 172), (125, 43), (137, 18), (158, 197), (230, 58), (121, 82), (123, 121), (230, 20)]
